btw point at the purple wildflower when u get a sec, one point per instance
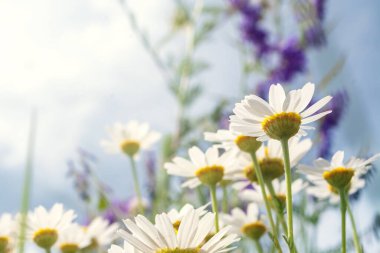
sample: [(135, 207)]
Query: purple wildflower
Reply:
[(320, 7), (292, 61), (331, 121), (117, 209)]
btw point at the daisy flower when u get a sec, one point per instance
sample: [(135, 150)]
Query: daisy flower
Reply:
[(271, 161), (337, 173), (130, 138), (162, 237), (44, 227), (208, 168), (72, 239), (126, 249), (232, 141), (323, 190), (100, 232), (279, 187), (284, 116), (8, 230), (176, 216), (249, 223)]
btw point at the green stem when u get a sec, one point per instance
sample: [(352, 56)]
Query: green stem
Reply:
[(343, 208), (225, 199), (357, 243), (289, 201), (48, 250), (277, 205), (259, 247), (260, 179), (27, 181), (137, 185), (215, 206)]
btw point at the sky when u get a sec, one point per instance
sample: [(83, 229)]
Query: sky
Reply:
[(79, 64)]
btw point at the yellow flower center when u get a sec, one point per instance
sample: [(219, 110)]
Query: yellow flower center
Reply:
[(176, 225), (254, 230), (340, 177), (130, 147), (177, 250), (69, 248), (271, 168), (282, 125), (210, 175), (45, 238), (247, 143), (3, 244)]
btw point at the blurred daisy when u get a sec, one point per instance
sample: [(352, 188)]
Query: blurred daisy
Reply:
[(324, 191), (284, 116), (232, 141), (44, 227), (176, 216), (190, 238), (208, 168), (8, 230), (249, 224), (100, 232), (337, 173), (279, 187), (130, 138), (126, 249), (224, 138), (271, 161), (72, 239)]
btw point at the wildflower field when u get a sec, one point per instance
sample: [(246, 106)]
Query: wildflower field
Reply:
[(189, 126)]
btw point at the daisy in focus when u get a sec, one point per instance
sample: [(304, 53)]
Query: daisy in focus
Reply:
[(8, 230), (162, 237), (337, 174), (208, 168), (249, 223), (130, 138), (100, 233), (271, 161), (72, 239), (45, 227), (282, 117)]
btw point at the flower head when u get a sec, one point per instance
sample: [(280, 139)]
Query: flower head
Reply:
[(176, 216), (100, 232), (44, 227), (208, 168), (130, 138), (271, 161), (8, 230), (232, 141), (249, 223), (279, 187), (336, 173), (72, 239), (162, 237), (284, 116)]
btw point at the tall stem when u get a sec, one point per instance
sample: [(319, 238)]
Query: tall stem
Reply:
[(225, 199), (48, 250), (259, 247), (277, 205), (136, 184), (260, 179), (343, 208), (358, 246), (27, 181), (289, 200), (215, 206)]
